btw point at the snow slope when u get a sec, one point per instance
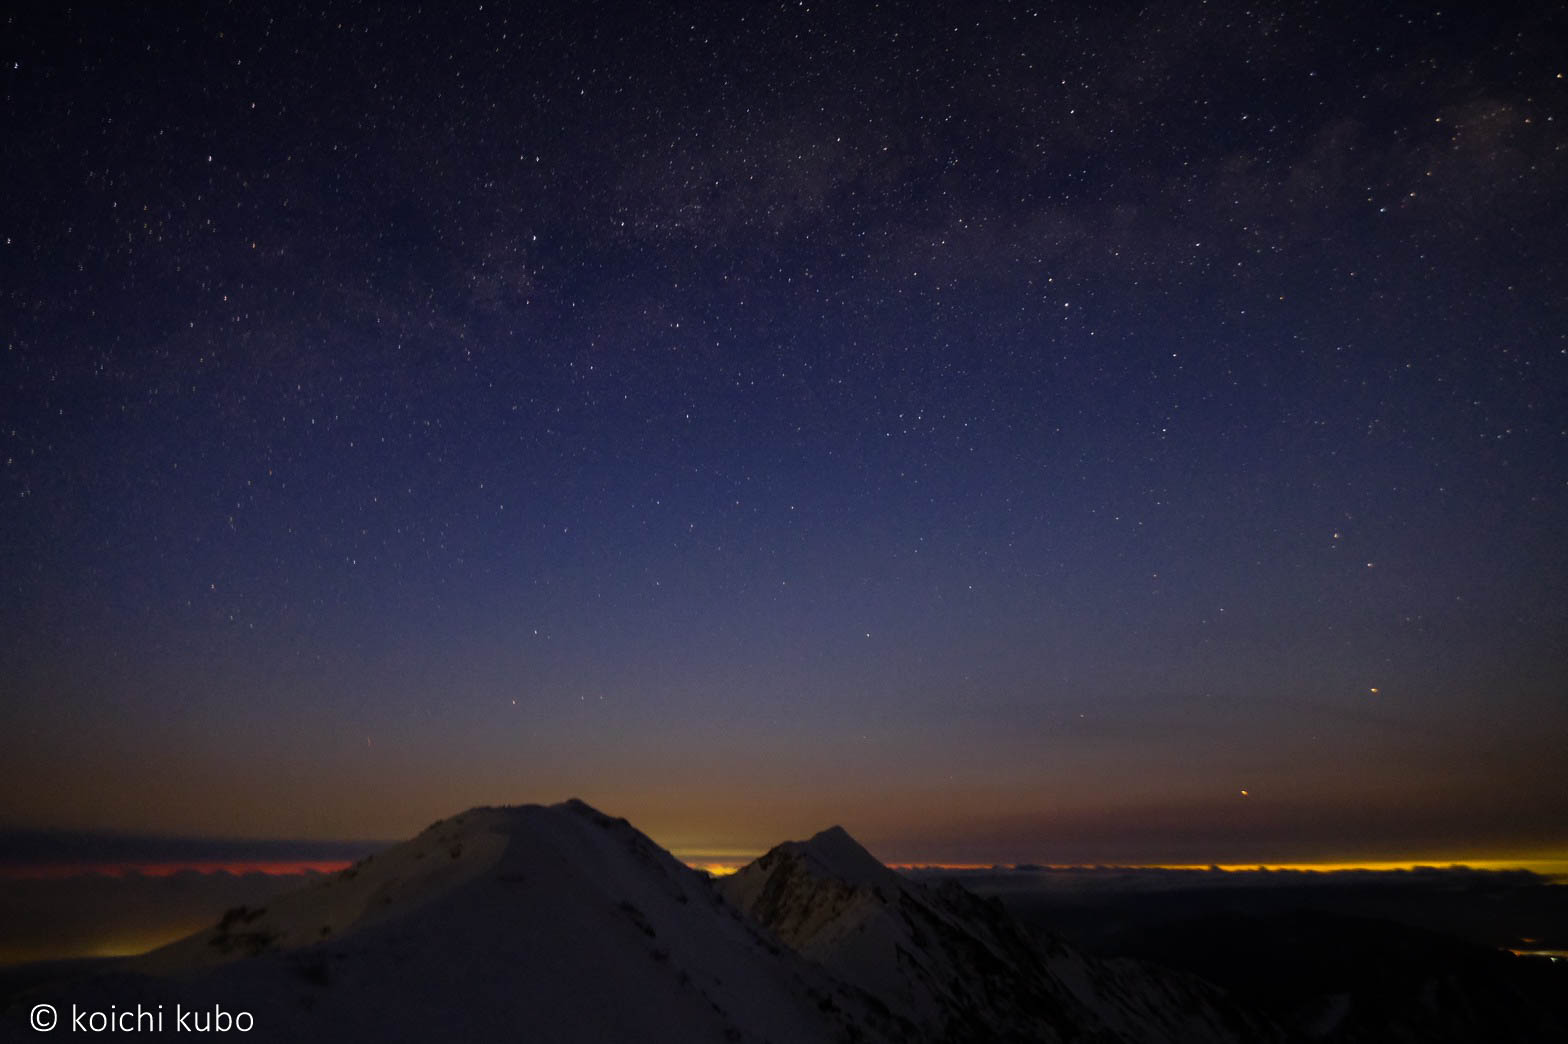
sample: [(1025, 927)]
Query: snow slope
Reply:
[(533, 923), (960, 967), (559, 924)]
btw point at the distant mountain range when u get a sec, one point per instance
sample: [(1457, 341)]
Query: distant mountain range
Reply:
[(561, 924)]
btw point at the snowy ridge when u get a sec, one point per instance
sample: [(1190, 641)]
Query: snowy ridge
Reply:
[(447, 855), (834, 853), (561, 924), (960, 967), (531, 923)]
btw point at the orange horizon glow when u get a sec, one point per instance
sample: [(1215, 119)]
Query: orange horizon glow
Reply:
[(1554, 867), (1551, 866)]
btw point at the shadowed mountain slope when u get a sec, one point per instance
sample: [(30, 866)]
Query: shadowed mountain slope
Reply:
[(960, 967)]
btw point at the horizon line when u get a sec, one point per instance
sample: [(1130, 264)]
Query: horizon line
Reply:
[(273, 857)]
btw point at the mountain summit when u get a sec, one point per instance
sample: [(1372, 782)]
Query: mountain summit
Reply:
[(960, 968), (561, 924), (835, 854), (539, 923)]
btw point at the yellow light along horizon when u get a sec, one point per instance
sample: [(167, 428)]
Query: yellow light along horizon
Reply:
[(1553, 867)]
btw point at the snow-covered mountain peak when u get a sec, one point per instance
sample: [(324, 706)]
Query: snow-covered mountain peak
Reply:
[(833, 853), (565, 924), (556, 921), (959, 967)]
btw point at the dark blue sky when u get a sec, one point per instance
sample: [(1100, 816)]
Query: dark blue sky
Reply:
[(1010, 432)]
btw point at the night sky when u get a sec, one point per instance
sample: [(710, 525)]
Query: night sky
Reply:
[(1099, 434)]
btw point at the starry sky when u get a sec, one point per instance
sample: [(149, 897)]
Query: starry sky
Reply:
[(1017, 432)]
